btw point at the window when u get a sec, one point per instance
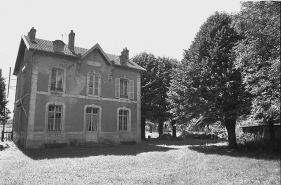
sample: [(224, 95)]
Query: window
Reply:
[(124, 88), (57, 80), (92, 118), (54, 117), (94, 81), (123, 119)]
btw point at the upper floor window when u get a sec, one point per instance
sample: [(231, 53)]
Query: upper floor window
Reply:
[(94, 84), (124, 88), (57, 80), (54, 117), (124, 83)]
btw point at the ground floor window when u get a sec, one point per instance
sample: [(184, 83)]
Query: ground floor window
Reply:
[(92, 117), (124, 119), (54, 117)]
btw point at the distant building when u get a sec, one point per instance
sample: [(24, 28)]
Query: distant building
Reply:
[(67, 93)]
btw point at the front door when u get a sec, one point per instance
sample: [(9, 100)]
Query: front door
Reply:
[(92, 124)]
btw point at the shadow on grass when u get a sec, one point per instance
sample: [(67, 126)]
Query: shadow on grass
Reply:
[(4, 145), (73, 152), (239, 152), (152, 145), (182, 142)]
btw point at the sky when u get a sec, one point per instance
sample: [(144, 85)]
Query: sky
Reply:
[(160, 27)]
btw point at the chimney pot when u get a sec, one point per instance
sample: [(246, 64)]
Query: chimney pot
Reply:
[(71, 38), (31, 34), (125, 52)]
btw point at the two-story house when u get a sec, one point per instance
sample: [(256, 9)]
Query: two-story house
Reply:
[(67, 93)]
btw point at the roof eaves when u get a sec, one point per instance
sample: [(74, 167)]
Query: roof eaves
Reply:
[(22, 41), (136, 65), (25, 41)]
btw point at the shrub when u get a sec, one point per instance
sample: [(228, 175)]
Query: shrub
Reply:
[(255, 141), (73, 142), (165, 137), (198, 135)]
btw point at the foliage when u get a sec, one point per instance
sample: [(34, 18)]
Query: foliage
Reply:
[(3, 100), (256, 141), (155, 83), (258, 55), (207, 85)]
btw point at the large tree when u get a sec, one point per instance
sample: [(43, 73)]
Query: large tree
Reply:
[(258, 57), (207, 86), (155, 83), (3, 101)]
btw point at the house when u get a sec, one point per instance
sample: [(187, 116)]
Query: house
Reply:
[(67, 93)]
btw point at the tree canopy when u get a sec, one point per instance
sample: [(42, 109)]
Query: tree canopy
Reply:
[(155, 84), (3, 100), (258, 57), (207, 86)]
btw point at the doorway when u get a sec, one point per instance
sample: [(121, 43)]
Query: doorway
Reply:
[(92, 123)]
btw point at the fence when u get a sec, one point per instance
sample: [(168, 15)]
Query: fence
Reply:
[(7, 136)]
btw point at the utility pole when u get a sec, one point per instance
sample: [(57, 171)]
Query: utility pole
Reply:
[(9, 83), (4, 120)]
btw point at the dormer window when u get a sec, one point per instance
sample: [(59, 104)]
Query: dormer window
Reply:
[(58, 46)]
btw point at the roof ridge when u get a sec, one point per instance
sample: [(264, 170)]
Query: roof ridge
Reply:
[(47, 45), (57, 39)]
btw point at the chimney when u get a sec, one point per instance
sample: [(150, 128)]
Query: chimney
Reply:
[(125, 52), (71, 38), (31, 34)]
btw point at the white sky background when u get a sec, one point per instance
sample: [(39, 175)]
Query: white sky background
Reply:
[(160, 27)]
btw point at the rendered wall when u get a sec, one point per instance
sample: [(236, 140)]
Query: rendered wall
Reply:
[(21, 109), (75, 98)]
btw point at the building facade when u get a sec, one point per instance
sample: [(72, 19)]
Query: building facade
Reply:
[(66, 93)]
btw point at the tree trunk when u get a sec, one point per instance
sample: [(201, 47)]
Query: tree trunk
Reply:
[(271, 129), (230, 127), (160, 127), (173, 123), (143, 128)]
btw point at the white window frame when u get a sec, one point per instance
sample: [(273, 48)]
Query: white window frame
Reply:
[(130, 88), (63, 80), (99, 117), (62, 122), (128, 120), (94, 87)]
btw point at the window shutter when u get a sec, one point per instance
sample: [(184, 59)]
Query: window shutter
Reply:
[(99, 82), (131, 89), (117, 87), (88, 83)]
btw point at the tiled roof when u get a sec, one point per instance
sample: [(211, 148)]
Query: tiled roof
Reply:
[(46, 45), (130, 64)]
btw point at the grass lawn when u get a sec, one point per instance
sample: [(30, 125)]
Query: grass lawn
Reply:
[(151, 162)]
